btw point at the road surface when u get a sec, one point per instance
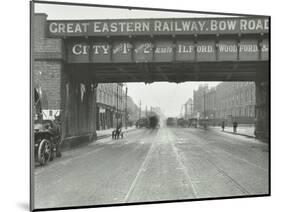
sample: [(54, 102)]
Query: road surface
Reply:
[(155, 165)]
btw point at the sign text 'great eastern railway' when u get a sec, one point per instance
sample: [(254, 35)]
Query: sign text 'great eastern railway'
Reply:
[(158, 26), (166, 50)]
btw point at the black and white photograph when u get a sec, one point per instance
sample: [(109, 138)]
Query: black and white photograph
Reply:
[(139, 105)]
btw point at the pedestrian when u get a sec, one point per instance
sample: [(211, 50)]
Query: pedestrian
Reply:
[(113, 134), (222, 125), (235, 125)]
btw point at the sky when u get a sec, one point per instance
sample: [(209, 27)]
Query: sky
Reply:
[(82, 12), (169, 96)]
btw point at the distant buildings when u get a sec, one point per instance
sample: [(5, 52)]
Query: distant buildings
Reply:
[(199, 101), (237, 101), (113, 106), (188, 109), (108, 109), (227, 101), (132, 111)]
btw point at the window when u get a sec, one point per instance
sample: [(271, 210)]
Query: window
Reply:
[(82, 91), (252, 96), (102, 97), (243, 111)]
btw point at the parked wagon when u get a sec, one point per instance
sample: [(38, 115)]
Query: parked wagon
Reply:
[(47, 141)]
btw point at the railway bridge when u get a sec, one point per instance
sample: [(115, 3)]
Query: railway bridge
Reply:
[(70, 53)]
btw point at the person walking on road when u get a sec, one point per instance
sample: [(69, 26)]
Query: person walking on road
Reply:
[(235, 125), (222, 125)]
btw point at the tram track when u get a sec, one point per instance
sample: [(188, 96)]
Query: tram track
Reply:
[(207, 154)]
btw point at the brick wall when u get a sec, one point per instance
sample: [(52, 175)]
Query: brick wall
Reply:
[(48, 64), (47, 75), (45, 48)]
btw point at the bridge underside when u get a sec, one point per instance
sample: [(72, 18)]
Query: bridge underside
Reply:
[(89, 73), (170, 71)]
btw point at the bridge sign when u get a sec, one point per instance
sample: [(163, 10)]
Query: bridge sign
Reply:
[(181, 26), (166, 50)]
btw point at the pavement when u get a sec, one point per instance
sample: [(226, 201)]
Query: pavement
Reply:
[(155, 165), (246, 130)]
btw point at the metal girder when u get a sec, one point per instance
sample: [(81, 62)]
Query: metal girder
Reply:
[(172, 72)]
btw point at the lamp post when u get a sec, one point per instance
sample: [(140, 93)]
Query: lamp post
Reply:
[(205, 121), (117, 106), (122, 104)]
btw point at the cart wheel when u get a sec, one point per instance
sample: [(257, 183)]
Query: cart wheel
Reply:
[(44, 151)]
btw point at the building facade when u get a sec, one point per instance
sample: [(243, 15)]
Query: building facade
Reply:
[(227, 101), (199, 101), (236, 101), (111, 101), (211, 104)]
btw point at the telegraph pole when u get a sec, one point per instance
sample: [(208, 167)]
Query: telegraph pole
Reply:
[(204, 97), (146, 110), (140, 110), (191, 110), (126, 110), (205, 123)]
